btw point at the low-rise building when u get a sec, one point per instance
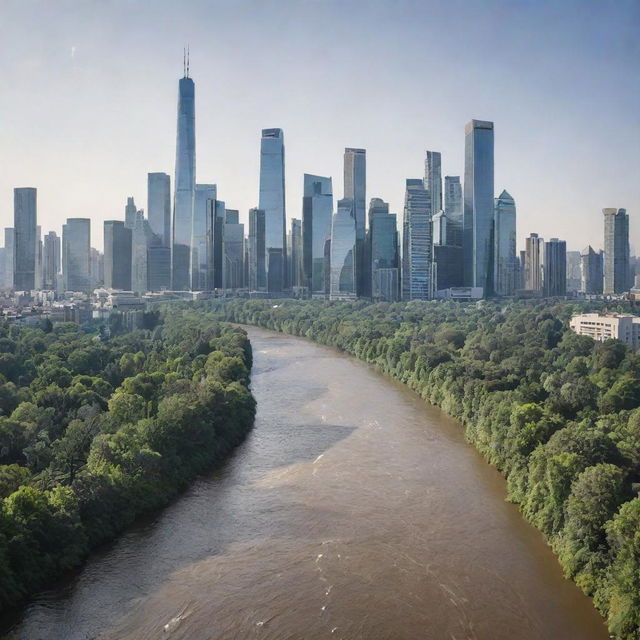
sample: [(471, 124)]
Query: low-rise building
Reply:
[(623, 327)]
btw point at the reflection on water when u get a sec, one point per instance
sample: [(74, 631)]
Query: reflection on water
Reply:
[(352, 511)]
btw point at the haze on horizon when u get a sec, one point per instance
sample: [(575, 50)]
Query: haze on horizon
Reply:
[(89, 106)]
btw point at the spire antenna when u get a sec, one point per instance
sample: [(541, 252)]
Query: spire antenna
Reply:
[(184, 61), (187, 61)]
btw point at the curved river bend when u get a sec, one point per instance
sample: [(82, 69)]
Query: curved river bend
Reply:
[(353, 510)]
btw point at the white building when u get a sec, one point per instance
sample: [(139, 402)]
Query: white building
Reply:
[(623, 327)]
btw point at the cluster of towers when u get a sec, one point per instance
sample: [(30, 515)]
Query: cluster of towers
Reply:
[(455, 235)]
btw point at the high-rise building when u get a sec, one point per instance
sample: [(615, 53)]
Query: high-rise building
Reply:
[(296, 276), (317, 212), (25, 240), (200, 236), (478, 206), (342, 281), (447, 257), (184, 185), (554, 268), (9, 256), (591, 271), (453, 209), (355, 188), (256, 251), (51, 261), (506, 262), (140, 241), (76, 246), (616, 251), (233, 251), (38, 278), (574, 277), (96, 267), (533, 260), (272, 202), (384, 252), (433, 179), (417, 255), (117, 255), (159, 207), (130, 213)]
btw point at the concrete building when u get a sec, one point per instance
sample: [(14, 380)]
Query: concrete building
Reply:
[(25, 240), (623, 327), (554, 269), (591, 271), (417, 246), (533, 260), (616, 251), (76, 249)]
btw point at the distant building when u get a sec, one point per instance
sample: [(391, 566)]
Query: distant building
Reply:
[(76, 248), (317, 213), (506, 262), (574, 277), (533, 259), (616, 251), (51, 261), (478, 212), (591, 271), (433, 180), (9, 256), (355, 188), (296, 275), (256, 251), (96, 268), (453, 209), (343, 246), (130, 212), (554, 270), (25, 241), (140, 241), (233, 251), (201, 252), (159, 207), (117, 255), (417, 254), (383, 252), (623, 327)]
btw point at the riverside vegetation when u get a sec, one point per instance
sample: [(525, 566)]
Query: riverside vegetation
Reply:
[(95, 431), (556, 413)]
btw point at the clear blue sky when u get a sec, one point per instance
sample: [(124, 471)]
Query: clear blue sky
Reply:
[(88, 104)]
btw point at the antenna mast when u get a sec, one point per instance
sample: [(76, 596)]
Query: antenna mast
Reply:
[(187, 61)]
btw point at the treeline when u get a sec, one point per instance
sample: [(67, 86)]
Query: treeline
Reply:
[(556, 413), (95, 431)]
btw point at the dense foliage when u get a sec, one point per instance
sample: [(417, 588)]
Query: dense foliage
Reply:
[(94, 431), (558, 414)]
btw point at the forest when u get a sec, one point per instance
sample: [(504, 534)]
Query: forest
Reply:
[(97, 428), (558, 414)]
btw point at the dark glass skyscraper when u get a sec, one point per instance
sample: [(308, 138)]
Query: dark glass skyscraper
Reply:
[(591, 276), (384, 252), (317, 211), (25, 238), (343, 246), (616, 251), (184, 185), (478, 206), (205, 194), (117, 255), (355, 188), (76, 249), (417, 243), (159, 207), (554, 268), (272, 202), (506, 263), (453, 209), (255, 251)]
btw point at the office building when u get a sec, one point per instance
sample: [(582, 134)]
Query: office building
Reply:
[(296, 275), (140, 241), (76, 247), (591, 271), (384, 252), (130, 213), (533, 260), (453, 209), (342, 281), (554, 268), (159, 207), (9, 256), (616, 251), (51, 261), (256, 251), (417, 254), (601, 327), (96, 268), (317, 214), (355, 188), (233, 247), (205, 197), (272, 202), (573, 272), (433, 180), (505, 257), (25, 240), (478, 207), (117, 255), (184, 185)]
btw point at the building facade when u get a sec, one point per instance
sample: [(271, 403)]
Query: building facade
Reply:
[(591, 271), (616, 251), (601, 327), (159, 207), (343, 248), (533, 260), (417, 246), (554, 269), (384, 251), (51, 261), (355, 188), (201, 237), (24, 238), (256, 251), (506, 261), (76, 249), (117, 255)]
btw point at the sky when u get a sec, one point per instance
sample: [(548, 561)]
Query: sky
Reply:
[(89, 96)]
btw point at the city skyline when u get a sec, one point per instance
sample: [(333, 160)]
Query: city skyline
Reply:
[(392, 156)]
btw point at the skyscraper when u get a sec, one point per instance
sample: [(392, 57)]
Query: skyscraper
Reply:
[(200, 237), (296, 277), (433, 179), (384, 252), (9, 256), (342, 281), (140, 241), (554, 268), (417, 244), (25, 241), (117, 255), (355, 188), (317, 212), (130, 213), (478, 206), (255, 251), (159, 207), (272, 202), (506, 262), (616, 251), (233, 248), (447, 257), (574, 275), (184, 184), (533, 259), (51, 256), (453, 209), (76, 247), (96, 267), (591, 271)]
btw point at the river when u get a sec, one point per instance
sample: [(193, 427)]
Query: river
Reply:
[(352, 510)]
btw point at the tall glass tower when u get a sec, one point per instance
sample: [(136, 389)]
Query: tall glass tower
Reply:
[(76, 248), (342, 284), (505, 245), (272, 202), (355, 188), (478, 206), (159, 207), (417, 245), (185, 184), (200, 237), (433, 179), (25, 238), (616, 251)]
